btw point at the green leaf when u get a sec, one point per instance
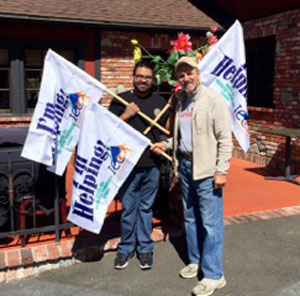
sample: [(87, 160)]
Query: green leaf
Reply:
[(156, 59), (172, 82), (165, 67), (191, 53), (173, 58), (158, 79), (156, 68), (164, 75), (182, 53)]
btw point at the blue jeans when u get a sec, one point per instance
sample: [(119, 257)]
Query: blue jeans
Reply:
[(137, 195), (203, 214)]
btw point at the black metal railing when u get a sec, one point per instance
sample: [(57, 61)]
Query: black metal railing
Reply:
[(32, 200)]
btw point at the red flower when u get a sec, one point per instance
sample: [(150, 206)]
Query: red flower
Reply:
[(177, 87), (182, 43), (212, 40), (214, 29)]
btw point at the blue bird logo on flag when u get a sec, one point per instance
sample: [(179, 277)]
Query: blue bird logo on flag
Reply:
[(78, 100), (118, 155), (243, 117)]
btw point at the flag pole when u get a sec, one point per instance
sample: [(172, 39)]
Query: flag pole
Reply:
[(160, 114), (164, 154), (153, 122), (140, 113)]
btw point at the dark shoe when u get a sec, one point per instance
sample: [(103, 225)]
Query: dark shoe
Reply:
[(121, 261), (146, 261)]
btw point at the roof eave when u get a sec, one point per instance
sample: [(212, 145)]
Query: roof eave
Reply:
[(104, 24)]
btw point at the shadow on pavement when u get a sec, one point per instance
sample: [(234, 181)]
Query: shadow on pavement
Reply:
[(89, 247)]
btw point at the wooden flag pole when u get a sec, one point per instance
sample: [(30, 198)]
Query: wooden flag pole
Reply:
[(157, 118), (153, 122), (140, 113), (164, 154)]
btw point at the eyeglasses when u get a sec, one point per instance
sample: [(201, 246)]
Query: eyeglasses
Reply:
[(140, 77)]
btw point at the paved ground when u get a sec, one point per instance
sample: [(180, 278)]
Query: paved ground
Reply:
[(247, 191), (261, 259)]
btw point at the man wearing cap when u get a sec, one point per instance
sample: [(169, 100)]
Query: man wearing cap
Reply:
[(202, 147)]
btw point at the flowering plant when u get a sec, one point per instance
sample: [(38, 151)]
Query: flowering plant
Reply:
[(164, 70)]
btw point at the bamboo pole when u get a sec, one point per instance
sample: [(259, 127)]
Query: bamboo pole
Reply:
[(160, 114), (146, 117)]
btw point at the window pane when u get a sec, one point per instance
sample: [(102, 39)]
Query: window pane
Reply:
[(4, 81), (260, 70), (4, 101), (31, 98), (34, 58), (33, 79), (3, 57), (67, 54)]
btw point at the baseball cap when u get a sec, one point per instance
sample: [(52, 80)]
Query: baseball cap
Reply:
[(186, 60)]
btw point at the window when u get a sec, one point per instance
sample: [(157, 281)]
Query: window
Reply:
[(21, 69), (33, 73), (4, 81), (260, 55), (33, 68)]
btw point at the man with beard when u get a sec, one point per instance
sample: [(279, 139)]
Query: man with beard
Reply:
[(139, 191), (201, 151)]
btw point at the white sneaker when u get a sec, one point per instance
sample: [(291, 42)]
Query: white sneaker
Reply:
[(207, 286), (189, 271)]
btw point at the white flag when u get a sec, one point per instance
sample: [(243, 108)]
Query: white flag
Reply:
[(223, 70), (65, 92), (108, 150)]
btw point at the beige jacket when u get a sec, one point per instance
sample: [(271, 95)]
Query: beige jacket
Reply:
[(211, 134)]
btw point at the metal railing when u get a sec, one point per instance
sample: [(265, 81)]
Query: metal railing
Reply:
[(26, 192)]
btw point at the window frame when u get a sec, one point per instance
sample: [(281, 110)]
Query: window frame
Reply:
[(6, 68), (16, 50)]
